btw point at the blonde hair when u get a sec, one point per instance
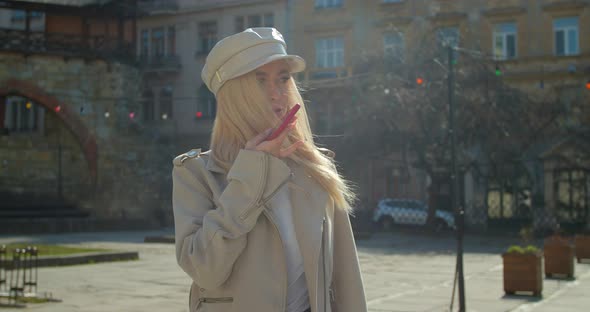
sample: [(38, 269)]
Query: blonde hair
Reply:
[(244, 111)]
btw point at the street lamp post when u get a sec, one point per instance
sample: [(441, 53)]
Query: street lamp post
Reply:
[(459, 214)]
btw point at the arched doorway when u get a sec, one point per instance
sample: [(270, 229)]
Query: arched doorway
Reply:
[(48, 151), (72, 122)]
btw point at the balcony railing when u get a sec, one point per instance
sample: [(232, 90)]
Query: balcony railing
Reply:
[(65, 45), (163, 63), (158, 6)]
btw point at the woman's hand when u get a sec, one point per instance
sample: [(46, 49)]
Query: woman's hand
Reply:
[(274, 147)]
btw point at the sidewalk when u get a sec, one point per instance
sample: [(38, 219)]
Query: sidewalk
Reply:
[(416, 274), (402, 272)]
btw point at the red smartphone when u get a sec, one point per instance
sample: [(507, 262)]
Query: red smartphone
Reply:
[(285, 123)]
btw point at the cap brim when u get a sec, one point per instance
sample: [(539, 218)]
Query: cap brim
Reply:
[(296, 63)]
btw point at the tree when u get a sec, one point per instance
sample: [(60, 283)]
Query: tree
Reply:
[(402, 105)]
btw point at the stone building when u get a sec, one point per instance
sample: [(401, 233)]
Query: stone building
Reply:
[(74, 152)]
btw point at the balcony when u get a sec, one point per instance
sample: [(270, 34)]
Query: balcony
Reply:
[(164, 63), (88, 47), (445, 11), (156, 7), (504, 8), (557, 6)]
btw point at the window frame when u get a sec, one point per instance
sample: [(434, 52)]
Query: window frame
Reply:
[(207, 31), (14, 119), (500, 33), (337, 53), (395, 49), (565, 30), (328, 4)]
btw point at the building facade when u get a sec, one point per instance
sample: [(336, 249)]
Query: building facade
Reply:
[(539, 47), (174, 38), (73, 154)]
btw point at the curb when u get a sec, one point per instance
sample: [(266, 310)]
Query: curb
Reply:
[(362, 235), (85, 258), (170, 239), (159, 239)]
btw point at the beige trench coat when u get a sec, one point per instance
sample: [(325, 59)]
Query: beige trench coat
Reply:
[(228, 242)]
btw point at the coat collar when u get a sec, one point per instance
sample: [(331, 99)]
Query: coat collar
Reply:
[(211, 164)]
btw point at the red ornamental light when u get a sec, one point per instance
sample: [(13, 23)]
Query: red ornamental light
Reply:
[(199, 114), (588, 85), (131, 115), (419, 81), (58, 109)]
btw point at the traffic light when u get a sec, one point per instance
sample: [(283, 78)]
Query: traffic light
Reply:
[(498, 71)]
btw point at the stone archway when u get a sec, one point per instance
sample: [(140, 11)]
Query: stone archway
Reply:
[(86, 140)]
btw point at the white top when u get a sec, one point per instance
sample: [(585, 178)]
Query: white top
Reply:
[(297, 294)]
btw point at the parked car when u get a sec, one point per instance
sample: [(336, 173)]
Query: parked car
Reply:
[(391, 212)]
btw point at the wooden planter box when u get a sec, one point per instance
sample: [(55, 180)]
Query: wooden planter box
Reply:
[(523, 272), (559, 256), (582, 243)]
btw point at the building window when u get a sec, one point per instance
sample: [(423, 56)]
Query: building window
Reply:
[(21, 16), (239, 24), (254, 20), (328, 3), (393, 46), (329, 52), (448, 36), (243, 22), (572, 195), (171, 41), (566, 36), (18, 15), (144, 50), (148, 106), (206, 104), (157, 44), (505, 41), (269, 20), (22, 115), (207, 36), (166, 103)]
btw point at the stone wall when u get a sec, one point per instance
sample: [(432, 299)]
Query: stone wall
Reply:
[(113, 166)]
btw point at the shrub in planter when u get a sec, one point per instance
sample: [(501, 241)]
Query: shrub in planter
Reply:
[(522, 270), (558, 252)]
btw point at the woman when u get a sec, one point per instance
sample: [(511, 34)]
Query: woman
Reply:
[(262, 225)]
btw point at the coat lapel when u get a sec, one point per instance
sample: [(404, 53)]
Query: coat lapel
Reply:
[(309, 210)]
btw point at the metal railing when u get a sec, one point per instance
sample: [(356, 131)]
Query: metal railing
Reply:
[(160, 63), (155, 6), (23, 271), (64, 44)]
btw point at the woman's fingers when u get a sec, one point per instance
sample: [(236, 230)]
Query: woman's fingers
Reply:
[(286, 152), (258, 139), (274, 146)]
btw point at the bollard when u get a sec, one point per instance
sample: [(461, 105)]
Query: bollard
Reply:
[(30, 272), (3, 286), (16, 289)]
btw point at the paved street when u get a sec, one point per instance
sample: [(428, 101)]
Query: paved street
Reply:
[(402, 272)]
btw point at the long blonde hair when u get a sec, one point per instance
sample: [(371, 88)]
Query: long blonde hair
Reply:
[(244, 111)]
